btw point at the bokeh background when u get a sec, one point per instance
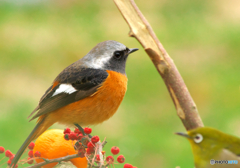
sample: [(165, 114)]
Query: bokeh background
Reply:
[(40, 38)]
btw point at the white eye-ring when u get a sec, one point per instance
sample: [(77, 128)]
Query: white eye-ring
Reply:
[(198, 138)]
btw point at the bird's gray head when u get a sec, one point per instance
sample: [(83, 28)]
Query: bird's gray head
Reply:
[(108, 55)]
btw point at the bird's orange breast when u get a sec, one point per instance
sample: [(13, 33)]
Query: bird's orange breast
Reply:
[(96, 108)]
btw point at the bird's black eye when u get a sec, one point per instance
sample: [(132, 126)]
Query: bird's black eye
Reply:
[(198, 138), (118, 54)]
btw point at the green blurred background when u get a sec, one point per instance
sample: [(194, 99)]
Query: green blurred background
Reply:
[(40, 38)]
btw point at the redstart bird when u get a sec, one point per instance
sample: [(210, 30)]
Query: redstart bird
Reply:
[(87, 92)]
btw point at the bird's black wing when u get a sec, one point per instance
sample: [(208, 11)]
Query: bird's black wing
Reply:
[(83, 83)]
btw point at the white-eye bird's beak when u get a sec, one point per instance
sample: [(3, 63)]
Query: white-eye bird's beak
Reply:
[(183, 134)]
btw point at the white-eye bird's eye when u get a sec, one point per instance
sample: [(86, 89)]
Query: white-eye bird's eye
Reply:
[(198, 138)]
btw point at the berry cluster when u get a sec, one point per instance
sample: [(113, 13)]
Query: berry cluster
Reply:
[(86, 146), (30, 160), (121, 159), (8, 154), (89, 146), (31, 155)]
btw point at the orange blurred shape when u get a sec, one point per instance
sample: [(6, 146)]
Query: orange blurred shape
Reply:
[(51, 144)]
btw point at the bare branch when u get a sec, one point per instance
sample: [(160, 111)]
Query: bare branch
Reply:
[(142, 31), (65, 158)]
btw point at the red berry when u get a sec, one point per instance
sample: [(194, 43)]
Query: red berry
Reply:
[(90, 145), (37, 154), (115, 150), (12, 157), (79, 136), (109, 159), (66, 136), (30, 154), (16, 166), (87, 130), (90, 150), (81, 152), (73, 136), (2, 149), (8, 153), (67, 131), (30, 160), (77, 131), (98, 157), (121, 159), (95, 139), (9, 162), (127, 166), (31, 146)]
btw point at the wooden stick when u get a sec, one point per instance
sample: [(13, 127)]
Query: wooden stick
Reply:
[(142, 31)]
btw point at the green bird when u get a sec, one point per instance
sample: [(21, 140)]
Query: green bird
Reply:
[(213, 149)]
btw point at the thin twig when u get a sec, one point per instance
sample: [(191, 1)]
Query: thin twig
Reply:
[(142, 31), (65, 158)]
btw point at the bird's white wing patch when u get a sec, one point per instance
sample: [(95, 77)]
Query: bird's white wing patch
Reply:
[(64, 88)]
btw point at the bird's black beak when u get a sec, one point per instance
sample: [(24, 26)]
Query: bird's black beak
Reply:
[(131, 50), (183, 134)]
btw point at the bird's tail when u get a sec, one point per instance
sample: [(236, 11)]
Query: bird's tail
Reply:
[(41, 126)]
